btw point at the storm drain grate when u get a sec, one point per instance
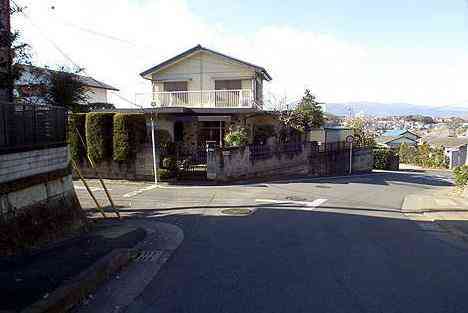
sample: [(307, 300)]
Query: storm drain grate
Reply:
[(148, 256)]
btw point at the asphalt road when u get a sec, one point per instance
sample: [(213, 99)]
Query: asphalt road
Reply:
[(330, 245)]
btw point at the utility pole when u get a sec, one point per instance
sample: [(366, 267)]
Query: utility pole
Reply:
[(6, 82), (6, 90)]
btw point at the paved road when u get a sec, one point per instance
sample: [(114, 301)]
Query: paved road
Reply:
[(354, 252)]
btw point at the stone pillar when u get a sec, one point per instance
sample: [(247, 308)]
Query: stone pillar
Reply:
[(211, 160)]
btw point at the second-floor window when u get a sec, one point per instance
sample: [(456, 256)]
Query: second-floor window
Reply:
[(231, 84), (175, 86)]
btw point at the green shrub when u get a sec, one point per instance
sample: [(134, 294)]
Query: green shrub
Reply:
[(129, 132), (237, 136), (461, 175), (385, 159), (99, 136), (165, 174), (76, 124), (263, 132)]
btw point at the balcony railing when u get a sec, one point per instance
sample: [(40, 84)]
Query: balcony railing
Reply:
[(241, 98)]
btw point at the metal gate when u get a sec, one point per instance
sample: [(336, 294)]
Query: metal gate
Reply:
[(191, 162)]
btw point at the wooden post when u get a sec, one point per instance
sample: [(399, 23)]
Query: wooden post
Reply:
[(88, 189)]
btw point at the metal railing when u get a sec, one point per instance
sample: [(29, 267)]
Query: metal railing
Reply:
[(29, 127), (241, 98)]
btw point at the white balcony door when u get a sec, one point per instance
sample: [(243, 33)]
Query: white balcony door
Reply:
[(228, 99)]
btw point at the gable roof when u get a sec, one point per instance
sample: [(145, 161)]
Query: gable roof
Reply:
[(398, 133), (197, 49), (85, 80)]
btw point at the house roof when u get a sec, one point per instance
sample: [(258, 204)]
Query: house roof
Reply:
[(398, 133), (197, 49), (387, 139), (86, 80)]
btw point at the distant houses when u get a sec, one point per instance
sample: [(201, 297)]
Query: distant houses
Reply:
[(395, 137)]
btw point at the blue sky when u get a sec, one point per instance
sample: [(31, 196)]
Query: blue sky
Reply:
[(343, 50), (428, 23)]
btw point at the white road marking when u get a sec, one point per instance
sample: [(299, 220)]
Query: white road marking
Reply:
[(92, 188), (313, 204), (137, 192)]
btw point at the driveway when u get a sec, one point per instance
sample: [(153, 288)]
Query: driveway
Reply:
[(329, 245)]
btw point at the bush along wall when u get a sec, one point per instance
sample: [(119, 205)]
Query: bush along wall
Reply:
[(129, 131), (99, 136), (76, 127), (461, 176), (386, 159)]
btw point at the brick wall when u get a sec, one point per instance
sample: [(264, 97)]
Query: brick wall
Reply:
[(24, 164)]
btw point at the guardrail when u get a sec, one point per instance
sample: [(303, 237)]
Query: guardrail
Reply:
[(29, 127)]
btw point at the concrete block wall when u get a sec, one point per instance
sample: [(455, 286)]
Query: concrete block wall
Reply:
[(363, 160), (25, 164), (22, 199), (139, 169), (237, 163)]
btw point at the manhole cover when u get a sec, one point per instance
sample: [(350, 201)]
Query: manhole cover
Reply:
[(238, 212)]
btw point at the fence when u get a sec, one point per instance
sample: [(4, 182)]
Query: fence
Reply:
[(29, 127)]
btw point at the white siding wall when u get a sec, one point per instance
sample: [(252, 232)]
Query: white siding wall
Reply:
[(97, 95), (202, 69)]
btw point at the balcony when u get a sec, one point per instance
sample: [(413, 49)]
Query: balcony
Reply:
[(225, 99)]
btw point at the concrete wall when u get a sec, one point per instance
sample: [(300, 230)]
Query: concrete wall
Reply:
[(237, 163), (24, 164), (363, 160), (139, 169), (37, 198), (20, 200)]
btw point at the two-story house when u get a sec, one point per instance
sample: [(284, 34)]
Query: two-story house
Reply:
[(199, 93)]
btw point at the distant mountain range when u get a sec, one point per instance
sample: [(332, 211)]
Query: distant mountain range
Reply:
[(392, 109)]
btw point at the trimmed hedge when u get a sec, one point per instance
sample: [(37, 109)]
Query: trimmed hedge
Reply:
[(99, 136), (386, 159), (76, 123), (129, 131)]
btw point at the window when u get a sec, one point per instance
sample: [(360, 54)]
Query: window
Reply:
[(231, 84), (175, 86)]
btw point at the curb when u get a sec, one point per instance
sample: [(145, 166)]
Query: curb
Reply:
[(119, 294), (73, 291)]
